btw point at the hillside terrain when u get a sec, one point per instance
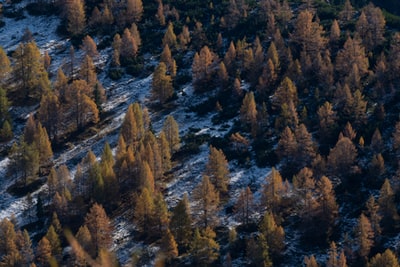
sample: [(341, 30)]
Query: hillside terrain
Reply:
[(192, 133)]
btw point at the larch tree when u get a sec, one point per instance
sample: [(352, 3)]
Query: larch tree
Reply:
[(327, 122), (144, 212), (305, 153), (285, 92), (371, 27), (347, 13), (387, 207), (180, 224), (217, 170), (129, 47), (374, 215), (171, 131), (43, 251), (136, 34), (273, 191), (117, 43), (202, 68), (165, 152), (49, 114), (162, 88), (76, 17), (248, 111), (203, 247), (206, 198), (245, 206), (5, 66), (170, 37), (308, 34), (29, 71), (54, 240), (365, 237), (352, 54), (169, 246), (99, 226), (342, 157), (310, 261), (87, 72), (89, 46), (134, 11), (83, 109), (273, 234), (334, 258), (386, 259)]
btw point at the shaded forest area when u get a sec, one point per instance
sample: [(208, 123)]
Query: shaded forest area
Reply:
[(307, 89)]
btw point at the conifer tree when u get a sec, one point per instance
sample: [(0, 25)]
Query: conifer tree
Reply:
[(273, 234), (171, 130), (387, 207), (24, 245), (165, 152), (170, 37), (84, 238), (5, 64), (273, 190), (129, 47), (180, 223), (285, 93), (169, 246), (89, 46), (342, 157), (201, 68), (134, 11), (245, 206), (352, 53), (310, 261), (43, 251), (76, 18), (204, 248), (28, 71), (217, 170), (54, 240), (49, 114), (99, 226), (386, 259), (365, 236), (248, 110), (144, 212), (162, 84), (206, 198)]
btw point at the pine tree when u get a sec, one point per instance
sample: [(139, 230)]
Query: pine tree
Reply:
[(217, 170), (162, 88), (206, 198)]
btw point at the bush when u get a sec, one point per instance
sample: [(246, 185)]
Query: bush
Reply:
[(115, 73)]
